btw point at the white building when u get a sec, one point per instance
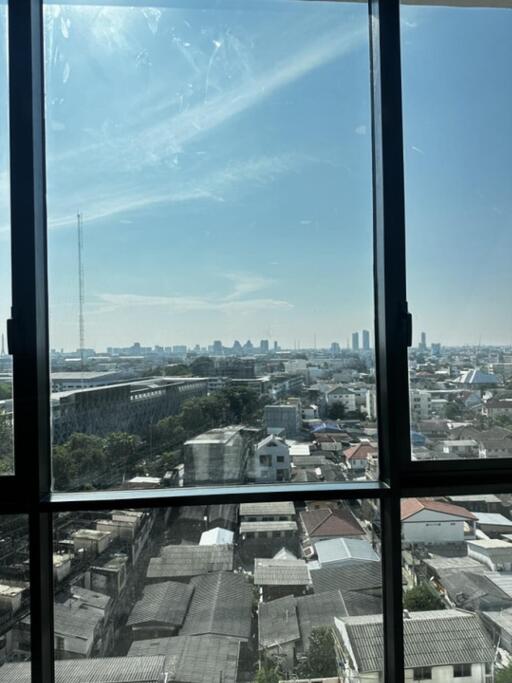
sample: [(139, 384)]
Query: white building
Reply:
[(429, 521), (272, 460), (421, 404), (492, 552), (460, 448), (344, 395), (442, 646)]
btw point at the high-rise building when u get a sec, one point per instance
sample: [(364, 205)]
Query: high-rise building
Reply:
[(237, 347), (276, 347), (217, 348), (335, 348), (355, 341), (423, 342), (436, 349), (366, 340), (264, 346)]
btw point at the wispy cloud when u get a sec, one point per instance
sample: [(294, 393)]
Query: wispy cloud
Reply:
[(216, 186), (235, 302)]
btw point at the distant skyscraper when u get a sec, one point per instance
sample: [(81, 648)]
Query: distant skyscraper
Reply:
[(366, 340), (276, 347), (217, 348), (355, 341), (237, 347), (264, 346), (335, 348), (436, 349), (423, 342)]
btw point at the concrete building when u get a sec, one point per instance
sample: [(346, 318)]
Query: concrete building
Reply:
[(366, 340), (283, 417), (443, 646), (355, 341), (271, 460), (91, 541), (460, 448), (278, 511), (421, 404), (493, 553), (219, 456)]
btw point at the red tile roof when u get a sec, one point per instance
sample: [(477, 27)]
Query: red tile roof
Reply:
[(410, 506), (327, 522), (360, 451)]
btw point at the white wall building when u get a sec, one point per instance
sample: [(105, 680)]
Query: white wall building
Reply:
[(272, 460), (429, 521)]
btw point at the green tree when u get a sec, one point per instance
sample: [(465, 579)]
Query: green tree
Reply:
[(336, 411), (268, 672), (178, 370), (122, 450), (203, 366), (454, 409), (504, 675), (6, 444), (5, 391), (79, 462), (321, 657), (422, 597)]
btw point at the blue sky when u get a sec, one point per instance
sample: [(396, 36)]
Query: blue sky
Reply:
[(222, 163)]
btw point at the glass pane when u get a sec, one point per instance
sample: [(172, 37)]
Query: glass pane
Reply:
[(458, 145), (14, 599), (457, 560), (207, 594), (6, 408), (209, 184)]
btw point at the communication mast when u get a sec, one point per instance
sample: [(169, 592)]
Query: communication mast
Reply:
[(81, 326)]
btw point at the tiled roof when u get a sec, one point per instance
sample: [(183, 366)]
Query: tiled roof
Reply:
[(410, 506), (272, 572), (221, 605), (277, 622), (431, 638), (194, 659), (327, 522), (190, 560), (360, 451), (267, 509), (165, 602), (104, 670), (359, 583)]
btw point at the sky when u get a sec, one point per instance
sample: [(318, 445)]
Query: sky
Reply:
[(220, 155)]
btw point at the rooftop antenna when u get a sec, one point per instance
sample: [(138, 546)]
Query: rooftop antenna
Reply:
[(81, 326)]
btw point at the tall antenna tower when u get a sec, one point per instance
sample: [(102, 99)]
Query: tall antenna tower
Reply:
[(81, 326)]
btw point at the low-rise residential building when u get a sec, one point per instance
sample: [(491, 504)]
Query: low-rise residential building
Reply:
[(357, 456), (460, 448), (428, 521), (272, 460), (161, 610), (181, 562), (268, 530), (338, 551), (326, 523), (493, 524), (443, 646), (493, 553), (108, 670), (91, 541), (283, 417), (279, 577), (421, 404), (277, 511), (195, 659), (217, 536)]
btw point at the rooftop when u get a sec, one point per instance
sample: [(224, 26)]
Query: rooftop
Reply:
[(272, 572), (194, 659), (165, 603), (327, 522), (252, 527), (430, 639), (102, 670), (411, 506), (190, 560), (221, 605), (216, 536), (279, 508), (341, 549)]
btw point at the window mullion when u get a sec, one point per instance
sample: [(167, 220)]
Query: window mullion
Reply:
[(392, 323), (28, 331)]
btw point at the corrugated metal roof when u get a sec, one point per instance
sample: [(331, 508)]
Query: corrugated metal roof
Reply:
[(104, 670), (217, 536), (221, 605), (493, 518), (190, 560), (318, 610), (272, 572), (267, 509), (252, 527), (165, 603), (430, 639), (342, 549), (277, 622), (194, 659)]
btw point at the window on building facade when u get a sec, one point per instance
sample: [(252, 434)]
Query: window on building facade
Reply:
[(229, 463)]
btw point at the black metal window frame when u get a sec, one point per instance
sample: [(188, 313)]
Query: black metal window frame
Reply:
[(29, 489)]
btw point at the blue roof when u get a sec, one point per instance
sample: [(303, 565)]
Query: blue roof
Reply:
[(418, 439), (327, 427)]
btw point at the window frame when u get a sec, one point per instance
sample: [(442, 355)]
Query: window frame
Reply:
[(28, 490)]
